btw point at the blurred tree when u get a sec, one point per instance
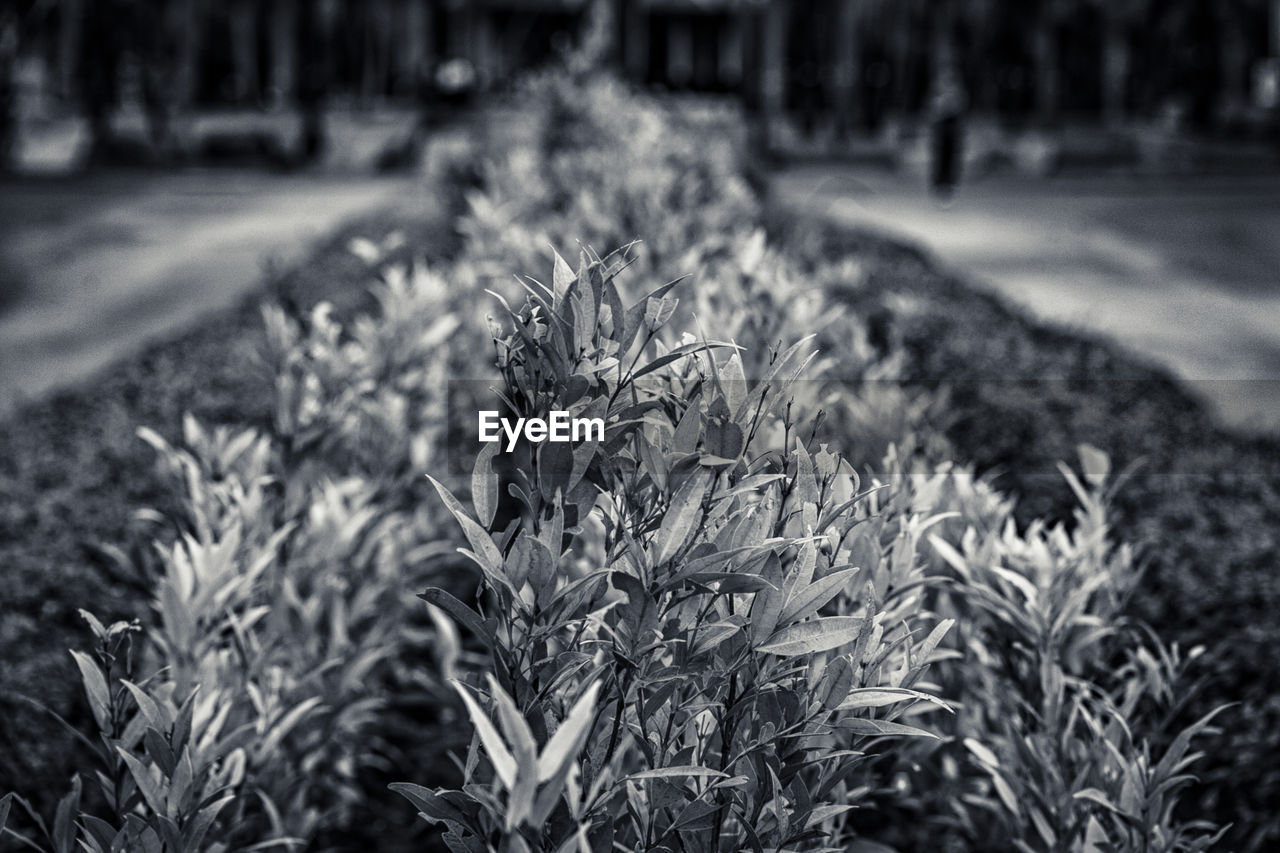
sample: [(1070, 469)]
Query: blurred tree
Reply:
[(243, 19), (9, 24), (1236, 21), (376, 69), (1048, 17), (846, 63), (415, 68), (919, 27), (102, 46), (850, 62), (314, 18), (1273, 27), (168, 35), (974, 41), (773, 61), (1118, 17), (284, 53), (70, 21)]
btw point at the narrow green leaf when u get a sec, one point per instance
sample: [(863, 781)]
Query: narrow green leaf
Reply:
[(683, 772), (617, 314), (824, 813), (484, 485), (99, 630), (635, 314), (146, 783), (1095, 464), (95, 687), (1004, 791), (730, 582), (432, 806), (981, 752), (879, 697), (836, 683), (688, 429), (930, 643), (809, 600), (562, 278), (194, 832), (806, 484), (464, 614), (1046, 832), (682, 516), (818, 635), (711, 636), (567, 742), (658, 311), (156, 717), (514, 726), (523, 749), (64, 826), (584, 318), (486, 553), (100, 833), (530, 560), (768, 604), (286, 723), (677, 354), (805, 563), (882, 728), (504, 764)]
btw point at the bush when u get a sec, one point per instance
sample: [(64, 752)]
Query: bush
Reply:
[(701, 631), (1063, 706), (1020, 396), (80, 505), (671, 657)]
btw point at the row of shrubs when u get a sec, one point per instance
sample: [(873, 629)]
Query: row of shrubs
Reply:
[(1199, 502), (767, 611)]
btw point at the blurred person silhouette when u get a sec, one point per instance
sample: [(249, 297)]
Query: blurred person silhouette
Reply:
[(947, 106)]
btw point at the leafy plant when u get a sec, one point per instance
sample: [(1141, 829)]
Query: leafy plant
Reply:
[(654, 618), (1055, 744), (702, 632), (166, 770)]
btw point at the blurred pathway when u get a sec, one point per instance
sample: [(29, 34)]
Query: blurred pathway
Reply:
[(1183, 271), (90, 267)]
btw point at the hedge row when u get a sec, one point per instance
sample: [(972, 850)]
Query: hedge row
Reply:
[(711, 630), (1198, 505)]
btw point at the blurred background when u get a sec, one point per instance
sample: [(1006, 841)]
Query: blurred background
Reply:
[(1109, 166), (1116, 160), (1054, 81)]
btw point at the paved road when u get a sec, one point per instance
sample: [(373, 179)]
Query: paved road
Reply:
[(1184, 271), (92, 266)]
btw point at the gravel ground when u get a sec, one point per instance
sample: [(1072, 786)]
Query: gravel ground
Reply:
[(1182, 271), (97, 265)]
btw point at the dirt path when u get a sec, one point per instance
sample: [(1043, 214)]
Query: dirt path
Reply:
[(92, 267), (1185, 272)]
